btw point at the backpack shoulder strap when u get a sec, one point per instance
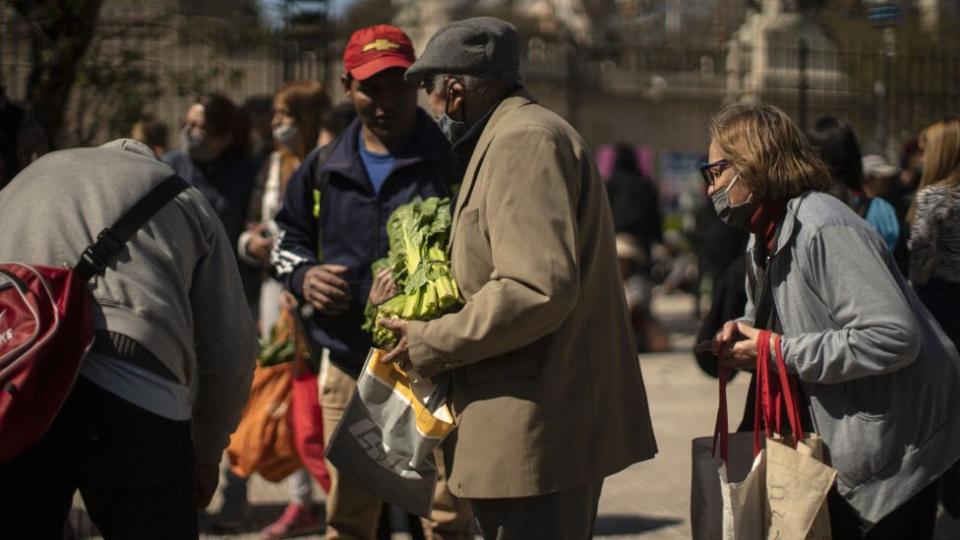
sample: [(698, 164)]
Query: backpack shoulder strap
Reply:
[(99, 255)]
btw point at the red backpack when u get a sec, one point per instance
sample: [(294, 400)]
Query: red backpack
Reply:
[(46, 326)]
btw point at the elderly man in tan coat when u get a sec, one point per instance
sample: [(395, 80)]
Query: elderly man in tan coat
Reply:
[(546, 384)]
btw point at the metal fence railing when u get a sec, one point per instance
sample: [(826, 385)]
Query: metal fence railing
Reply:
[(653, 95)]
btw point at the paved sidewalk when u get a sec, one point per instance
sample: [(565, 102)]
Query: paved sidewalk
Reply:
[(651, 500), (648, 501)]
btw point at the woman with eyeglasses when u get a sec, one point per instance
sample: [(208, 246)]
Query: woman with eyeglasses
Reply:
[(877, 376)]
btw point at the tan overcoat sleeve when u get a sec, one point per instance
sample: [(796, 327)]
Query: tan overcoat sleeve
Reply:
[(532, 186)]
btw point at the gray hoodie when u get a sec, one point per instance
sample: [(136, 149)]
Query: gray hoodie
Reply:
[(880, 374), (175, 288)]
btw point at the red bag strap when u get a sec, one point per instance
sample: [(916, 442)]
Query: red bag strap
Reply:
[(790, 389), (774, 395), (771, 394), (721, 430), (766, 394)]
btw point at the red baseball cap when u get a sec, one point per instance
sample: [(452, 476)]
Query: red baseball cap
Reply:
[(374, 49)]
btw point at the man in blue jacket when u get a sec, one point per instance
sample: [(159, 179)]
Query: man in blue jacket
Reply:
[(333, 227)]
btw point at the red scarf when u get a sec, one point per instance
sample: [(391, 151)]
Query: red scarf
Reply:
[(765, 220)]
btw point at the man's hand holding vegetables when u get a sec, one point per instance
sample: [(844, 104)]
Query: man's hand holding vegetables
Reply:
[(401, 353), (383, 289)]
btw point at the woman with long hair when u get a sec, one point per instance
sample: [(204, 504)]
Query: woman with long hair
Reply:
[(297, 109), (878, 379), (935, 225)]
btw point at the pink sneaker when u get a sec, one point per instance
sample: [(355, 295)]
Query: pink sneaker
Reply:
[(295, 521)]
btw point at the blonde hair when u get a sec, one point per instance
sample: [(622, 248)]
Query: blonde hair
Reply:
[(941, 153), (941, 156), (769, 151)]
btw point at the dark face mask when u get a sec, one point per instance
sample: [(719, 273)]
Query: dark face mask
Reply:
[(734, 215), (453, 130), (198, 148)]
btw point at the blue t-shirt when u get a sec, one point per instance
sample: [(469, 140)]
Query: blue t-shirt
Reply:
[(883, 217), (378, 165)]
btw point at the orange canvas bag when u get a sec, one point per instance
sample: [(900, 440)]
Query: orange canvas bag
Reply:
[(263, 442)]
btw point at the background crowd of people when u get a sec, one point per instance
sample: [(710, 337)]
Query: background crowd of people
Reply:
[(261, 178)]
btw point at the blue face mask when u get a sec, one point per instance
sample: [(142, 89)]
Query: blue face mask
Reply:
[(453, 130)]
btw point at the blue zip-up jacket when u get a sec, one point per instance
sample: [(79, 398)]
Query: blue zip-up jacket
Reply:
[(354, 220)]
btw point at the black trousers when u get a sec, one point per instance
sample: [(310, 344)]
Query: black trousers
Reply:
[(134, 469), (564, 515), (915, 519)]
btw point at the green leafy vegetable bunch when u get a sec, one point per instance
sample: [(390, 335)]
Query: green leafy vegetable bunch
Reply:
[(418, 233)]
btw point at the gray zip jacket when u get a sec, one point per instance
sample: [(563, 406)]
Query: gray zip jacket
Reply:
[(881, 376), (175, 288)]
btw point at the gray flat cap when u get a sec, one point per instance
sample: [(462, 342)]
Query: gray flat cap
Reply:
[(477, 46)]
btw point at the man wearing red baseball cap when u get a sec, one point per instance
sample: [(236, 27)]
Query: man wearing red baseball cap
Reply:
[(333, 227), (374, 62), (374, 49)]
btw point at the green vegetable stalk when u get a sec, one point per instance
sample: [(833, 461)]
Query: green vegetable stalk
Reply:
[(418, 233), (282, 345)]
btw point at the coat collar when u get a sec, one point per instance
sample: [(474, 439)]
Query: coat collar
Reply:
[(790, 220), (510, 104), (789, 225)]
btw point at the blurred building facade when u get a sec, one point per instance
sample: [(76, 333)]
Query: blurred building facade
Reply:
[(648, 71)]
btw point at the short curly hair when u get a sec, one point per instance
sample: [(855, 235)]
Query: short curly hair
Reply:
[(769, 151)]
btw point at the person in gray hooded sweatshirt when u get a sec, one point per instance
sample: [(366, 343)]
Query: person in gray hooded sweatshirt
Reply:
[(877, 374), (142, 432)]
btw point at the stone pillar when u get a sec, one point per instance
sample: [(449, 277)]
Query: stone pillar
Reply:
[(763, 62)]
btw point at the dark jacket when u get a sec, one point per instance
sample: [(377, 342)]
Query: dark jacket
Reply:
[(353, 221), (635, 203), (226, 184)]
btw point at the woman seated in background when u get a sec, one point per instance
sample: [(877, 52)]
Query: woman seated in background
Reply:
[(878, 377)]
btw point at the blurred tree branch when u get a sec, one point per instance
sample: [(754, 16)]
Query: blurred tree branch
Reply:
[(60, 34)]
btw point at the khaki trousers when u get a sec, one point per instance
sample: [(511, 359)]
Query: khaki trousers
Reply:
[(352, 511)]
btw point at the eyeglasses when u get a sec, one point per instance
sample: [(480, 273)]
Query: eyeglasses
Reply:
[(711, 171)]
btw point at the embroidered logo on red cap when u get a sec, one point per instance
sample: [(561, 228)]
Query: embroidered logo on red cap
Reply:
[(374, 49), (380, 45)]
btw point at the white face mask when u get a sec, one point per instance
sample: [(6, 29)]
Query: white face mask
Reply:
[(288, 135)]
